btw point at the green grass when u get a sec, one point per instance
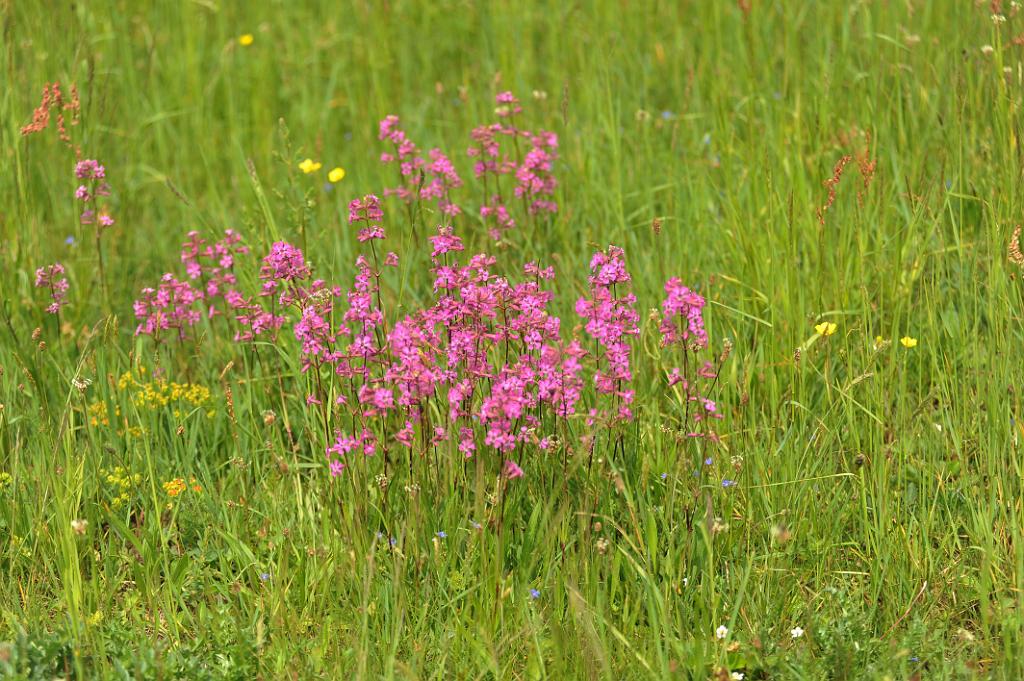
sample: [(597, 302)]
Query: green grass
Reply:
[(879, 498)]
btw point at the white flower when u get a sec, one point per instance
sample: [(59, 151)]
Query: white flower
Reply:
[(796, 632), (737, 676), (686, 581), (721, 632)]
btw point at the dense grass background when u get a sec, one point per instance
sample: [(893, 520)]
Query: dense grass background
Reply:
[(879, 498)]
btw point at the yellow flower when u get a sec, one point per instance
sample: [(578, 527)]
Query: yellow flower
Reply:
[(825, 328), (336, 175), (908, 342), (309, 166), (245, 40)]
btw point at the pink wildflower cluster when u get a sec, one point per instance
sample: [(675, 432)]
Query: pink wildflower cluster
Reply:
[(213, 264), (682, 320), (534, 182), (682, 325), (170, 306), (93, 187), (178, 304), (480, 368), (367, 213), (52, 278), (612, 319), (431, 179), (514, 165), (484, 367)]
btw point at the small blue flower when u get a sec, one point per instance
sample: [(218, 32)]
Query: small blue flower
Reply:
[(534, 594), (328, 187), (707, 461), (380, 535), (667, 115), (70, 241), (728, 483), (264, 576), (915, 658), (664, 475), (392, 541), (442, 534)]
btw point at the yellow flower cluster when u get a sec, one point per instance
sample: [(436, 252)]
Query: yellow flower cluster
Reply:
[(120, 481), (152, 396), (160, 392), (177, 486), (98, 413), (5, 480)]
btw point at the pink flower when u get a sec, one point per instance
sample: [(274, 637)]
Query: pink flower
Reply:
[(89, 170), (512, 470), (52, 277), (612, 319), (405, 435), (444, 242), (682, 319), (172, 305)]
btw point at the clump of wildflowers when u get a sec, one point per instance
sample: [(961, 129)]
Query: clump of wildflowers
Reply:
[(177, 486), (682, 327), (431, 179), (120, 486), (611, 316), (483, 367), (52, 278), (514, 165), (682, 320), (169, 307), (213, 266), (532, 174), (93, 187), (366, 213)]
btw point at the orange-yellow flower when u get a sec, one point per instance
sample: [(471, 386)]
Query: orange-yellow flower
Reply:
[(174, 487)]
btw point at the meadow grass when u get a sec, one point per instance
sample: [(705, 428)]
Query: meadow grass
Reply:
[(877, 504)]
